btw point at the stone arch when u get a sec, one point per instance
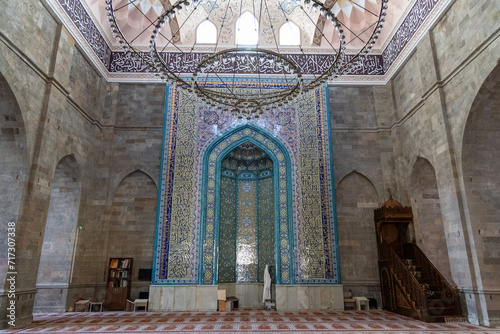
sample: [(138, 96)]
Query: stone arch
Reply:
[(59, 239), (120, 176), (356, 198), (427, 218), (211, 189), (366, 173), (132, 224), (13, 165), (481, 178)]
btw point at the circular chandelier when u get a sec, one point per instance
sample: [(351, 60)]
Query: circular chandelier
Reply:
[(217, 65)]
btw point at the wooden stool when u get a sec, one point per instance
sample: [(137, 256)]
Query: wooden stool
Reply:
[(133, 305), (92, 304), (362, 301), (141, 303)]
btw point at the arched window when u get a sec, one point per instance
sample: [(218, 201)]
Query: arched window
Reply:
[(289, 34), (206, 33), (247, 30)]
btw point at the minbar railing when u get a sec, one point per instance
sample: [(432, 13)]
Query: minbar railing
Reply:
[(448, 296), (427, 297)]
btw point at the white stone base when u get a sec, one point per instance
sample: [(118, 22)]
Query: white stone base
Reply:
[(183, 297), (248, 294), (309, 297), (204, 297), (50, 298)]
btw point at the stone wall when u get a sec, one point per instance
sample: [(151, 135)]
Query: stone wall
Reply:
[(356, 200), (59, 238), (427, 219), (54, 104), (381, 132), (54, 124), (480, 164), (132, 226), (433, 94)]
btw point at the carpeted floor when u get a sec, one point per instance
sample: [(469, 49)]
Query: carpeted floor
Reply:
[(241, 321)]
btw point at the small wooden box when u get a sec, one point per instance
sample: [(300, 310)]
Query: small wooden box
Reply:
[(82, 305), (222, 305)]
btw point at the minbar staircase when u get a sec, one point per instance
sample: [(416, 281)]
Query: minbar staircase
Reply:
[(414, 287)]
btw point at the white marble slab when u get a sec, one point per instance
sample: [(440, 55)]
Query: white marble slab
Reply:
[(309, 297), (183, 298)]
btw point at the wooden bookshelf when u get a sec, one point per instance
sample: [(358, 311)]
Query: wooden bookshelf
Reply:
[(118, 284)]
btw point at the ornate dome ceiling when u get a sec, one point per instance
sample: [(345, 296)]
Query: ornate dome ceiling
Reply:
[(247, 152), (358, 13), (247, 156), (406, 22)]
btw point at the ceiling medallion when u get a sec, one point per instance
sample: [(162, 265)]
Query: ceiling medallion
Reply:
[(209, 5), (215, 77), (289, 5)]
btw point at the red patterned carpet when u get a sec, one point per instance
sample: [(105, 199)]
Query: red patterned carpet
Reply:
[(240, 321)]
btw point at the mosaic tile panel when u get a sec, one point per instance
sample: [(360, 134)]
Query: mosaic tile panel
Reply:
[(326, 189), (176, 239), (227, 230), (181, 225), (196, 139), (266, 223), (246, 236), (311, 258), (232, 139)]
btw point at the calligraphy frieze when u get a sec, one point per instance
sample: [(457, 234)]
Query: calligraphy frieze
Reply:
[(412, 22), (83, 22), (311, 254), (181, 241), (183, 63)]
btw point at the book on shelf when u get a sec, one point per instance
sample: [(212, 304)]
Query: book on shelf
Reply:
[(113, 263)]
